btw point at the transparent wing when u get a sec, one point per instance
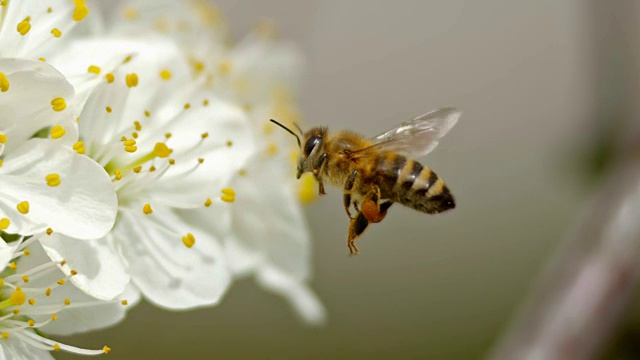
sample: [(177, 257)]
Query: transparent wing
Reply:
[(419, 136)]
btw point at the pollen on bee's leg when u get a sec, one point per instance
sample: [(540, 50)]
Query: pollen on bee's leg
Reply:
[(370, 210)]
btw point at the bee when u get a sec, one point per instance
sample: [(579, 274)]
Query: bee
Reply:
[(376, 172)]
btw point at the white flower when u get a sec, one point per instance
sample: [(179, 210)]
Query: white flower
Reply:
[(269, 236), (43, 183), (167, 144), (36, 298)]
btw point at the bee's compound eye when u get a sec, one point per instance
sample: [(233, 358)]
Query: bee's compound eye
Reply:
[(311, 144)]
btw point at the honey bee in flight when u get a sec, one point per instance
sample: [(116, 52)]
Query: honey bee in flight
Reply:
[(377, 172)]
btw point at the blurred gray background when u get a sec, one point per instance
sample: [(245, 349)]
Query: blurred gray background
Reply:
[(538, 82)]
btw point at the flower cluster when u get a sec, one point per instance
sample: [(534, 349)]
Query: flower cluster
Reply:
[(137, 161)]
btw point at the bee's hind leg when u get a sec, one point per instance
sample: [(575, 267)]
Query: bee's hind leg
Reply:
[(372, 209), (357, 226), (347, 190)]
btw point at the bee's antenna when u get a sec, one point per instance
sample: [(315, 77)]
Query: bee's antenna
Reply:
[(289, 131), (298, 127)]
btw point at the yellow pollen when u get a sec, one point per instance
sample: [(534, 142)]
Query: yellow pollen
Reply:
[(242, 172), (124, 302), (18, 297), (132, 80), (130, 13), (205, 102), (229, 143), (161, 150), (228, 195), (42, 59), (53, 179), (225, 67), (4, 82), (187, 106), (16, 311), (63, 262), (152, 168), (204, 135), (127, 59), (137, 169), (27, 252), (23, 207), (4, 223), (93, 69), (137, 125), (32, 301), (57, 132), (79, 147), (58, 104), (54, 317), (5, 335), (200, 160), (67, 301), (272, 149), (0, 162), (13, 265), (108, 108), (188, 240), (56, 347), (172, 161), (134, 134), (24, 26), (81, 10), (31, 322), (147, 113), (208, 202), (56, 32), (74, 272), (147, 209), (3, 138), (118, 174), (130, 148), (48, 292), (61, 281), (168, 135), (49, 231), (49, 10), (123, 138), (25, 278), (129, 142), (165, 74), (110, 78), (106, 349)]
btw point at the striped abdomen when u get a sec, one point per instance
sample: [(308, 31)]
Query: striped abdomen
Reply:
[(406, 181)]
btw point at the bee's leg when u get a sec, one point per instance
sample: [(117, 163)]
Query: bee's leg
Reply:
[(357, 226), (355, 205), (372, 209), (318, 167), (348, 187)]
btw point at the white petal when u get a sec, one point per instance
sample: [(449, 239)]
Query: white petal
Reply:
[(168, 273), (6, 253), (101, 272), (304, 301), (83, 205), (14, 349), (26, 105)]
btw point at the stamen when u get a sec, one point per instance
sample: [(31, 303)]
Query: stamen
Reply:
[(228, 195), (23, 207), (4, 223), (24, 26), (4, 82), (188, 240), (93, 69), (53, 179), (56, 32), (81, 10), (57, 132), (58, 104), (131, 80)]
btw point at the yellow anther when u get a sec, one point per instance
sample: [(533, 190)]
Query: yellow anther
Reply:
[(208, 202), (58, 104), (106, 349), (204, 135), (57, 132), (5, 335), (53, 179), (93, 69), (118, 174), (49, 231), (63, 262), (242, 172), (188, 240), (27, 252), (109, 109), (74, 272), (23, 207), (127, 59), (1, 281), (56, 347), (24, 26), (172, 161), (168, 135), (165, 74), (225, 67), (130, 148), (67, 301), (129, 142), (13, 265), (0, 162), (48, 292), (79, 147), (272, 149), (4, 82), (61, 281), (78, 119), (16, 311), (110, 78), (152, 168), (205, 102), (137, 125), (124, 302), (147, 209), (42, 59), (25, 278), (247, 107), (3, 138), (81, 10), (200, 160), (123, 138), (56, 32), (137, 169), (132, 80), (49, 10), (187, 106), (134, 134), (31, 323), (228, 195), (130, 13), (32, 301), (54, 317), (17, 297), (4, 223), (161, 150), (147, 113), (229, 143)]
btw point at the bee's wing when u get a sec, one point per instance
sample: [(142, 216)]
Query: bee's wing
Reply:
[(419, 136)]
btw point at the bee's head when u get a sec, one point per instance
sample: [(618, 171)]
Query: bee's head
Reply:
[(311, 147)]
